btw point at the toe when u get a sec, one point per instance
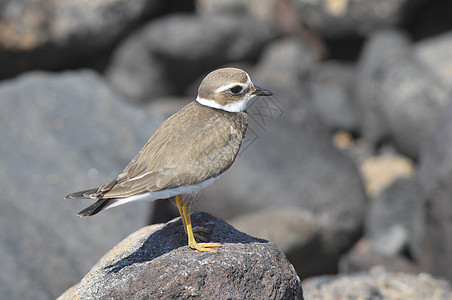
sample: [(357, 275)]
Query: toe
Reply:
[(204, 247), (209, 245)]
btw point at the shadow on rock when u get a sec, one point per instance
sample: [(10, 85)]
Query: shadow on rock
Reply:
[(172, 237)]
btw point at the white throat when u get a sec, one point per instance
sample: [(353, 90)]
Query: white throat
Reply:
[(236, 106)]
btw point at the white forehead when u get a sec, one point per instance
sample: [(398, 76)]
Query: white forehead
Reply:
[(226, 87)]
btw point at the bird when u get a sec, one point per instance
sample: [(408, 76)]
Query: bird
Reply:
[(189, 151)]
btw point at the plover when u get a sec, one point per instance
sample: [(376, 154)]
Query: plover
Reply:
[(188, 152)]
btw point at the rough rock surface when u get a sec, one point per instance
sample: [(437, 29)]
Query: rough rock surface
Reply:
[(164, 57), (435, 176), (60, 133), (377, 284), (156, 262)]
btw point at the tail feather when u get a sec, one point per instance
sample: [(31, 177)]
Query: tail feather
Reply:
[(100, 205), (81, 195)]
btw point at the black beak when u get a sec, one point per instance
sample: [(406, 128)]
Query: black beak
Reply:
[(261, 92)]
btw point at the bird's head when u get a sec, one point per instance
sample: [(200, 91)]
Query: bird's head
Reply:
[(229, 89)]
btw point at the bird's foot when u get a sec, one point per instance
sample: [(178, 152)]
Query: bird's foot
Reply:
[(204, 247)]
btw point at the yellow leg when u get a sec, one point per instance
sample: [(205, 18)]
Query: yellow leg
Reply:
[(180, 204), (185, 215)]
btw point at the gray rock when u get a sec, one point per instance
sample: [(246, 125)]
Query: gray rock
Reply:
[(165, 56), (362, 257), (331, 85), (435, 175), (377, 284), (411, 99), (435, 52), (380, 51), (60, 133), (157, 263), (54, 34), (401, 204), (390, 242), (398, 96), (291, 57), (334, 19), (287, 160)]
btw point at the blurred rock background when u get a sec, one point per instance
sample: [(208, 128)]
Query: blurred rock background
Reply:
[(346, 167)]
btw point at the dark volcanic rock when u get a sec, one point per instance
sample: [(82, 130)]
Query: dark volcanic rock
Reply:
[(165, 56), (60, 133), (435, 177), (377, 284), (157, 263), (57, 34)]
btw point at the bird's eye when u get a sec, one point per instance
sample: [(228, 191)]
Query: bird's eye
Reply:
[(236, 89)]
